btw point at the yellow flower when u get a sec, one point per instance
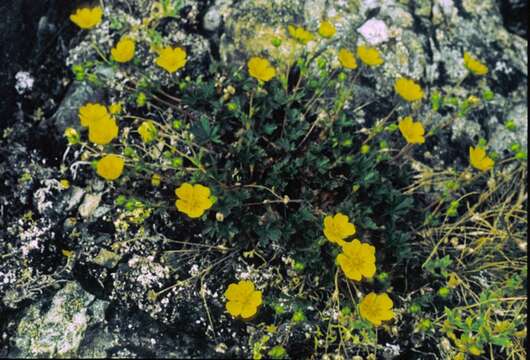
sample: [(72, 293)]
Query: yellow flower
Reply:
[(147, 131), (479, 160), (193, 200), (156, 179), (124, 50), (326, 29), (110, 167), (71, 135), (369, 55), (115, 108), (408, 89), (412, 131), (376, 308), (300, 34), (473, 100), (337, 228), (474, 65), (65, 184), (357, 260), (91, 112), (347, 59), (243, 299), (171, 59), (261, 69), (103, 131), (87, 18)]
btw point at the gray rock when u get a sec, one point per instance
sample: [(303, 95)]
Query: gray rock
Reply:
[(89, 205), (74, 197), (212, 19), (73, 324), (502, 137), (57, 331)]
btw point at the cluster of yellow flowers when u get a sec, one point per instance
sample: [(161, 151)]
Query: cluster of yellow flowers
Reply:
[(300, 34), (170, 59), (357, 260), (102, 127), (369, 56), (262, 70), (326, 30)]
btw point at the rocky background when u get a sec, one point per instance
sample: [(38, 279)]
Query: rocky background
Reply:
[(54, 305)]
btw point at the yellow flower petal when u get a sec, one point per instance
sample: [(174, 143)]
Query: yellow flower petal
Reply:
[(184, 191), (201, 191), (261, 69), (326, 29), (124, 50), (376, 308), (408, 89), (368, 269), (338, 228), (87, 18), (300, 34), (232, 292), (193, 200), (474, 65), (347, 59), (248, 311), (357, 260), (479, 160), (110, 167), (246, 287), (171, 59), (243, 299), (91, 112), (384, 301), (412, 131), (369, 55), (234, 308), (351, 272), (103, 131), (255, 298)]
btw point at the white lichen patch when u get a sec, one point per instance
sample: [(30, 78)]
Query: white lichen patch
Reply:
[(24, 82)]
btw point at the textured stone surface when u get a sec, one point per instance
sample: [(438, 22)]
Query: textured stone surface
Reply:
[(424, 40), (57, 331)]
